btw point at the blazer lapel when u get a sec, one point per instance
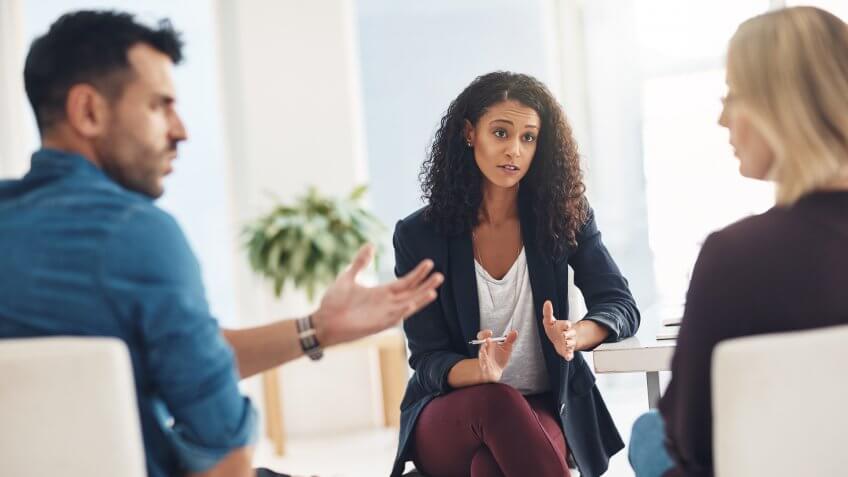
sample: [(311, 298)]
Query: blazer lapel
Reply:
[(544, 285), (464, 285)]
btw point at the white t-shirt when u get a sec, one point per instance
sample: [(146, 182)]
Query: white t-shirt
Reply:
[(507, 304)]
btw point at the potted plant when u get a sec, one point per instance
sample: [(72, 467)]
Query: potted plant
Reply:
[(310, 241)]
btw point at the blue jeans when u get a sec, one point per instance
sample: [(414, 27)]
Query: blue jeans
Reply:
[(647, 453)]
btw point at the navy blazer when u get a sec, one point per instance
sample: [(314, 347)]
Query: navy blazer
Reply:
[(438, 335)]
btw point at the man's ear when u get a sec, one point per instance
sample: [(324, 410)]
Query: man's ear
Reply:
[(87, 110), (468, 132)]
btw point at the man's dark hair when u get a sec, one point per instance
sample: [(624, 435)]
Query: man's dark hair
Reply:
[(88, 47)]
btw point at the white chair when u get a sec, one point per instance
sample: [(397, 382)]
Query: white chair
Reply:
[(68, 407), (780, 404)]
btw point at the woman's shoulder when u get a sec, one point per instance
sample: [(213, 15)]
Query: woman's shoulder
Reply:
[(756, 236), (417, 238), (416, 224), (416, 233), (759, 225)]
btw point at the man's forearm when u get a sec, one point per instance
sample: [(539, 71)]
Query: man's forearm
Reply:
[(236, 464), (348, 311), (264, 347)]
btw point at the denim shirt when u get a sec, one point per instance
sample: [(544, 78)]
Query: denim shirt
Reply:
[(83, 256)]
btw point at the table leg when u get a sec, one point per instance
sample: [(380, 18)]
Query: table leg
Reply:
[(653, 378)]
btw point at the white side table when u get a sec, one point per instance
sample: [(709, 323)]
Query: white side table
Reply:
[(638, 354)]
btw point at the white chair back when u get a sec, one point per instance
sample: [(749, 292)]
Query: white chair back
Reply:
[(68, 407), (780, 404)]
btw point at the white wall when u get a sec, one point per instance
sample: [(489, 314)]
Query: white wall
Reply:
[(293, 113), (14, 158)]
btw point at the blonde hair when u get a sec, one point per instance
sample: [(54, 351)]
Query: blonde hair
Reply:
[(789, 69)]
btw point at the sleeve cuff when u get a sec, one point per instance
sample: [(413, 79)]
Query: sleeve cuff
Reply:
[(197, 457)]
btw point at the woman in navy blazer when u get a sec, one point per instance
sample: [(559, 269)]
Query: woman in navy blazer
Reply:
[(508, 406)]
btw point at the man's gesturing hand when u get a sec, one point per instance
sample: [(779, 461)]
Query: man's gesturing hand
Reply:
[(349, 311)]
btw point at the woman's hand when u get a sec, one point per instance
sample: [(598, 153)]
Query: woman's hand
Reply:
[(561, 333), (493, 357)]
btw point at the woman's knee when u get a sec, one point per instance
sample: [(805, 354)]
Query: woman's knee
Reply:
[(499, 400), (646, 452), (648, 424), (647, 432)]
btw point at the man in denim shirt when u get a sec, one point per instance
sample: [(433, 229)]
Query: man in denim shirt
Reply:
[(86, 252)]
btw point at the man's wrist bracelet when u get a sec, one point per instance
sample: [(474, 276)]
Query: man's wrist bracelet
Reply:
[(308, 339)]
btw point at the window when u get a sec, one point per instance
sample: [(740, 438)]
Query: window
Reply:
[(692, 184)]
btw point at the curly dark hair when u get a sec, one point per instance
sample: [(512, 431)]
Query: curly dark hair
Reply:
[(553, 188)]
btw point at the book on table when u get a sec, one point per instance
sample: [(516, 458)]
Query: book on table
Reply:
[(668, 332)]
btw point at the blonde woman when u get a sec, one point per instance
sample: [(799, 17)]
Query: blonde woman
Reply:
[(787, 112)]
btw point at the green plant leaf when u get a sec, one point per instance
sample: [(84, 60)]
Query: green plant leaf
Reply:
[(358, 192), (309, 241)]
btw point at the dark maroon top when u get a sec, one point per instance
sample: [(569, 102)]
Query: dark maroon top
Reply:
[(784, 270)]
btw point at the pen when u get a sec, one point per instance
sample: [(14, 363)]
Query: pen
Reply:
[(499, 339)]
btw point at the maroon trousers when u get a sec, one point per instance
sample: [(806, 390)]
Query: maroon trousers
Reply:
[(490, 430)]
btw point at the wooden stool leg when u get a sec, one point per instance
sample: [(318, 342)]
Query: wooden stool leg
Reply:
[(274, 411), (393, 377)]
